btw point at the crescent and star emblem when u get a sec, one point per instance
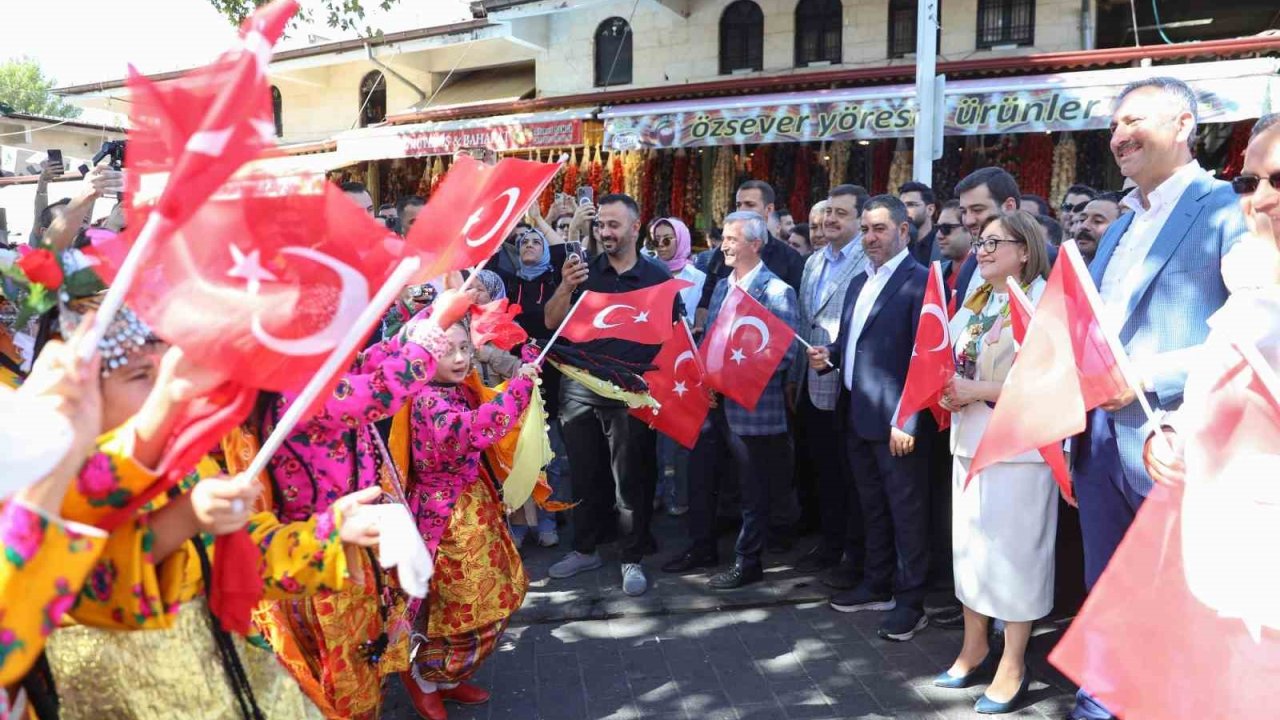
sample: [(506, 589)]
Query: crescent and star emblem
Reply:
[(680, 388), (932, 310), (513, 196), (601, 320), (736, 355), (353, 296)]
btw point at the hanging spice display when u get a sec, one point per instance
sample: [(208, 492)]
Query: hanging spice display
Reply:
[(946, 172), (1234, 161), (606, 174), (648, 182), (1064, 168), (437, 173), (722, 183), (838, 166), (899, 167), (881, 160), (1035, 163), (617, 173), (761, 161), (570, 184), (595, 174), (819, 182), (798, 199), (1094, 159), (633, 164), (679, 176), (693, 190)]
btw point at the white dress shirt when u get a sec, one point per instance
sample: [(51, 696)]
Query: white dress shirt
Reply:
[(877, 278), (745, 282), (1124, 270), (692, 294)]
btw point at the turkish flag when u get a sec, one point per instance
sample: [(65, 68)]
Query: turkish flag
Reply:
[(1064, 369), (201, 127), (743, 348), (473, 209), (495, 322), (1020, 312), (676, 383), (933, 362), (1184, 624), (640, 316)]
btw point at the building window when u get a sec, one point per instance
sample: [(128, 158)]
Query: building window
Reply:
[(613, 53), (1006, 22), (373, 99), (902, 27), (818, 26), (741, 37), (277, 110)]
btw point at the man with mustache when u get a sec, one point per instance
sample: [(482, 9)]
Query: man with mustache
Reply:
[(1096, 218), (1159, 272)]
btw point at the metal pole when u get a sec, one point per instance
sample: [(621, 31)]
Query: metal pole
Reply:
[(927, 121)]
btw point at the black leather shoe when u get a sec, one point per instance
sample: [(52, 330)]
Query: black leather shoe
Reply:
[(690, 560), (736, 577), (817, 560)]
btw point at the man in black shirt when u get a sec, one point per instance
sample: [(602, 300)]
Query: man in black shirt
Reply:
[(614, 455), (921, 205), (756, 196)]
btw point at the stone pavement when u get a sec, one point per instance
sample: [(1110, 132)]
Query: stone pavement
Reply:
[(581, 650)]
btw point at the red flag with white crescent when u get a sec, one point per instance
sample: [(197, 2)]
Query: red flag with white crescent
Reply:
[(1065, 368), (642, 316), (474, 208), (933, 362), (743, 348), (1191, 591), (1020, 312), (676, 383)]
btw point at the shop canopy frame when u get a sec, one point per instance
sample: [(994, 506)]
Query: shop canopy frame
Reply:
[(500, 133)]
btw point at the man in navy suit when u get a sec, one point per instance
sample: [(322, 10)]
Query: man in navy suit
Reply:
[(1159, 272), (871, 353)]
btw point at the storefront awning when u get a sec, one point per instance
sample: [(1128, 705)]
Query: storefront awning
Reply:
[(501, 133), (1228, 91)]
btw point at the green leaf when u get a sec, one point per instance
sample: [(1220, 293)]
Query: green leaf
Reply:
[(83, 283)]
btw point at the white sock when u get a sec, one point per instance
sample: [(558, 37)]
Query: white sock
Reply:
[(448, 686), (425, 686)]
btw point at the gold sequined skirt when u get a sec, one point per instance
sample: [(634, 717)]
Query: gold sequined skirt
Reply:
[(171, 674)]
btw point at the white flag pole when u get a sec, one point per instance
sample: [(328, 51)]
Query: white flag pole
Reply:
[(567, 316), (114, 298), (334, 364)]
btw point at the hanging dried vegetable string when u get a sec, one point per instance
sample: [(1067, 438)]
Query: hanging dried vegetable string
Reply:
[(899, 167), (595, 174), (693, 190), (617, 173), (649, 178), (1064, 168), (722, 176), (679, 176), (798, 200), (634, 164), (881, 159), (1035, 153), (570, 184)]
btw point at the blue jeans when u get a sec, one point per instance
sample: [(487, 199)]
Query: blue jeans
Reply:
[(674, 488)]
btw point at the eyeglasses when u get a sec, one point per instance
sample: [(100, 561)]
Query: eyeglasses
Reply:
[(947, 228), (989, 243), (1246, 184)]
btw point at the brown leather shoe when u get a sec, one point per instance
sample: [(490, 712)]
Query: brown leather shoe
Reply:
[(429, 705)]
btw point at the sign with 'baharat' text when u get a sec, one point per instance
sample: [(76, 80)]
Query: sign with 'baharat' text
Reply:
[(1227, 91)]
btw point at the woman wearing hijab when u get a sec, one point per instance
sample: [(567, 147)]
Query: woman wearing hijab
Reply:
[(672, 244)]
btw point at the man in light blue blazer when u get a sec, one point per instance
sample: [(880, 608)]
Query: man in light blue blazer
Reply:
[(1159, 272)]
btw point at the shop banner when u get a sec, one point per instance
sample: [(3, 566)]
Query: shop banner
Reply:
[(500, 134), (1227, 91)]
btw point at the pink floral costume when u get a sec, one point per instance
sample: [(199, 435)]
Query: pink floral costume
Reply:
[(479, 580)]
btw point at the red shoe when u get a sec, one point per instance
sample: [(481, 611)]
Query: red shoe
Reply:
[(465, 694), (428, 705)]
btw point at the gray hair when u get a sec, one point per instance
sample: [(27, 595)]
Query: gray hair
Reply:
[(753, 227), (1175, 90), (1265, 123), (818, 208)]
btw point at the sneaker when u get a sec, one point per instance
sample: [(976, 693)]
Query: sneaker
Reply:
[(859, 599), (633, 580), (949, 618), (903, 624), (677, 510), (574, 563), (548, 538)]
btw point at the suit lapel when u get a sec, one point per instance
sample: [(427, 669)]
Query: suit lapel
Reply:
[(851, 299), (898, 277), (834, 280), (1175, 230), (759, 284)]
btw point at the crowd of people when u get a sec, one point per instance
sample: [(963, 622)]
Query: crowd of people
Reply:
[(104, 613)]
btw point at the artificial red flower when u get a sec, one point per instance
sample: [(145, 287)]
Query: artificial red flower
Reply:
[(41, 266), (495, 323)]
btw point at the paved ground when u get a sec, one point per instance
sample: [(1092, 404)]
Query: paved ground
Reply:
[(581, 650)]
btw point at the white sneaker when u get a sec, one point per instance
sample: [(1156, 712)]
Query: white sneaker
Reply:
[(574, 563), (548, 538), (634, 581)]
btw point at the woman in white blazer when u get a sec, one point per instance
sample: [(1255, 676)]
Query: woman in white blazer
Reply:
[(1004, 522)]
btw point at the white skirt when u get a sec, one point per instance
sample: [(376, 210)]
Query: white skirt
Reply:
[(1003, 529)]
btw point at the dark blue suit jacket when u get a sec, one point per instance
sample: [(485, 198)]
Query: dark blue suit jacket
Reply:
[(884, 351)]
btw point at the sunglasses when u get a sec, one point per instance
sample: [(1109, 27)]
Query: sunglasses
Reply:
[(1069, 208), (947, 228), (1246, 184), (664, 241)]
